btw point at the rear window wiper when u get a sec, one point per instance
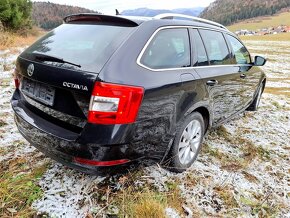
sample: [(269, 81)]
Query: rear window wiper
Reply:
[(44, 57)]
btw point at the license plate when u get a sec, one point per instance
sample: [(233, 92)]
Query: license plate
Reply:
[(38, 91)]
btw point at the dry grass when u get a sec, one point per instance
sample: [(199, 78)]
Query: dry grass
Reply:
[(230, 161), (145, 203), (263, 22), (250, 177), (18, 187), (226, 193), (2, 123), (286, 80), (19, 39), (259, 205), (271, 37), (133, 200), (278, 91), (148, 208)]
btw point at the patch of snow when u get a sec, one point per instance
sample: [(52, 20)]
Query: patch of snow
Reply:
[(171, 213), (67, 193)]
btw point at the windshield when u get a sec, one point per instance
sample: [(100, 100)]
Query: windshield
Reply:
[(87, 45)]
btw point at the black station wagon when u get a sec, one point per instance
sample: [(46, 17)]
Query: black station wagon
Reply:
[(100, 91)]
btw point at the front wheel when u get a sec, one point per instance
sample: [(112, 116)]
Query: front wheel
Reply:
[(187, 142)]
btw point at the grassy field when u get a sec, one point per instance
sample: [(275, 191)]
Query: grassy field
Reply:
[(272, 37), (242, 171), (262, 22)]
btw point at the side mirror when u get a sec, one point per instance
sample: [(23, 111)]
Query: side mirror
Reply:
[(259, 61)]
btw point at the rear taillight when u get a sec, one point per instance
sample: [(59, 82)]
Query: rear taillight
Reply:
[(17, 83), (16, 79), (114, 104)]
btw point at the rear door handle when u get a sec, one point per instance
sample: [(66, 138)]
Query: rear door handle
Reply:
[(212, 82), (243, 76)]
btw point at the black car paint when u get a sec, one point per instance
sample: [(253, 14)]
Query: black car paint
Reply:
[(169, 96)]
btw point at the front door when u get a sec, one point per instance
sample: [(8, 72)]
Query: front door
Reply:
[(248, 73)]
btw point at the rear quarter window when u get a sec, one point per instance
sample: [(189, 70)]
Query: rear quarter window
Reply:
[(168, 49)]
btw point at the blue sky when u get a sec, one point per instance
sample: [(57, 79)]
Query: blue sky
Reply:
[(108, 6)]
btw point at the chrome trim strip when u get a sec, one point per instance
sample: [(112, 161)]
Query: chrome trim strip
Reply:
[(182, 68)]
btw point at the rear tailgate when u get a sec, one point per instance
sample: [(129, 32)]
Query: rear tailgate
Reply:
[(58, 72), (61, 93)]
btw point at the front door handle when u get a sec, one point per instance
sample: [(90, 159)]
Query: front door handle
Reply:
[(212, 82), (243, 76)]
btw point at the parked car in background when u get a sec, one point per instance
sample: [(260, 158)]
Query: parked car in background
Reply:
[(102, 91)]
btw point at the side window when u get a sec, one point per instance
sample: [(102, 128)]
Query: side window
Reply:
[(201, 56), (216, 47), (169, 49), (242, 55)]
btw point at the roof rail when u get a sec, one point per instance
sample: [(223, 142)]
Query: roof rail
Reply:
[(187, 17)]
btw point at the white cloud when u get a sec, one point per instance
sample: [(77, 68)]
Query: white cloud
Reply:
[(109, 6)]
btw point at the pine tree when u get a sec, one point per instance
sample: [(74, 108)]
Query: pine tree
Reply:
[(15, 14), (5, 10)]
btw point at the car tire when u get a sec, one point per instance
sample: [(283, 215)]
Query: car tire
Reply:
[(255, 104), (187, 142)]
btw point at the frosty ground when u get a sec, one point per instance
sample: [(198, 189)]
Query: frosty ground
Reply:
[(243, 169)]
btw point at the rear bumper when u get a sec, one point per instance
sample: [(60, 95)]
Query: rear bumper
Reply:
[(64, 145), (97, 143), (65, 151)]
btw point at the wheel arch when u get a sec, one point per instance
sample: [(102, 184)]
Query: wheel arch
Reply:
[(205, 115), (200, 107)]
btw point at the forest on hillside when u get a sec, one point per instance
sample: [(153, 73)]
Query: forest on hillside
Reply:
[(231, 11), (49, 15), (23, 14)]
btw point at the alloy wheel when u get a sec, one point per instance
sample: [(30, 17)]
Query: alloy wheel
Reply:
[(190, 142)]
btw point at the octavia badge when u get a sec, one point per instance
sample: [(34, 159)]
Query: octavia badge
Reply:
[(30, 69)]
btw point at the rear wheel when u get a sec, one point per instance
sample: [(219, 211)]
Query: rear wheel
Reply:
[(187, 142)]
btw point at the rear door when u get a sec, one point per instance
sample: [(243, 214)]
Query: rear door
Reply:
[(166, 65), (219, 74)]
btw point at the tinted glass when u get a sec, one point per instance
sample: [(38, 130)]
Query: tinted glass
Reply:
[(168, 49), (242, 55), (216, 47), (88, 45), (201, 56)]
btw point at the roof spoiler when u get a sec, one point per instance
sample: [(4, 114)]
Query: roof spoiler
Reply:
[(94, 17)]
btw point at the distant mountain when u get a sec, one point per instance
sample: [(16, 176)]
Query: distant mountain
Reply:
[(147, 12), (231, 11), (48, 15)]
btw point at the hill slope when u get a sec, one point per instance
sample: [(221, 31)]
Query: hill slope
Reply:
[(230, 11), (262, 22), (147, 12), (49, 15)]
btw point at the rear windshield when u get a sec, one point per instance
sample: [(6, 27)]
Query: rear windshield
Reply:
[(87, 45)]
